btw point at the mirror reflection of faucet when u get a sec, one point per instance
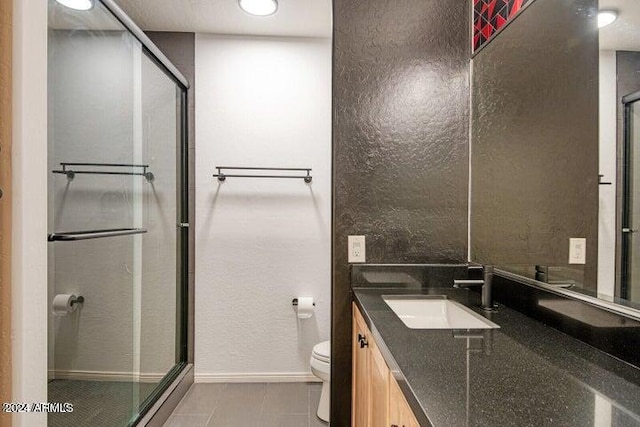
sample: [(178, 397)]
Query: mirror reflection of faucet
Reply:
[(483, 338), (472, 348), (543, 275)]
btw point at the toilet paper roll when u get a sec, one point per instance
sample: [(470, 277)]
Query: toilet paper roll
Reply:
[(305, 307), (63, 304)]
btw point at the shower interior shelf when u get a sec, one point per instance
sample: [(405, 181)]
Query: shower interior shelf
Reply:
[(70, 236), (70, 169), (223, 176)]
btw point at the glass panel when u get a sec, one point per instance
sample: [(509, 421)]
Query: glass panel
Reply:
[(160, 130), (114, 133), (632, 288)]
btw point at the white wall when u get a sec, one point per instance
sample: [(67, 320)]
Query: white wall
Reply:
[(260, 242), (607, 159), (29, 228)]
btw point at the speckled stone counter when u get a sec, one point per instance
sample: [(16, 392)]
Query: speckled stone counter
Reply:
[(522, 374)]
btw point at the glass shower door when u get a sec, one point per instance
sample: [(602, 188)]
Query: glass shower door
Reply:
[(158, 300), (115, 202), (630, 243)]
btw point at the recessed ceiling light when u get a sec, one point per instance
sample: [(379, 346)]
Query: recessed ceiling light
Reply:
[(77, 4), (259, 7), (606, 17)]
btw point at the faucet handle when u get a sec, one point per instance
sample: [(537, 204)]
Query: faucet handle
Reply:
[(467, 283)]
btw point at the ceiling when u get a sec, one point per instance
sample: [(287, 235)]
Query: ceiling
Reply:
[(294, 18), (624, 33), (98, 18)]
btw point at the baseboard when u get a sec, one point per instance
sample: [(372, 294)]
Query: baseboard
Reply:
[(105, 376), (276, 377)]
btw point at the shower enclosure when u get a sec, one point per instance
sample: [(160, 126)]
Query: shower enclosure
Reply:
[(117, 217), (630, 254)]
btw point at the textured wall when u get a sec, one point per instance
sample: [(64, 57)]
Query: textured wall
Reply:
[(400, 136), (262, 101), (535, 138)]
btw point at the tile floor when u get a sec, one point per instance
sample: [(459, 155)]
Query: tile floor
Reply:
[(96, 403), (248, 405)]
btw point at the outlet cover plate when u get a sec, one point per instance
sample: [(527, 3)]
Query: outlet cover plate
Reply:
[(356, 246), (577, 250)]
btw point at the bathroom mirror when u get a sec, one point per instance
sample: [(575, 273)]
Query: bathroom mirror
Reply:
[(553, 149)]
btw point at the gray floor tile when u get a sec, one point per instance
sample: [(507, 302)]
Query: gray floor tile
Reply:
[(314, 421), (187, 420), (314, 400), (247, 394), (234, 419), (249, 405), (284, 420), (314, 395), (240, 405), (201, 399), (286, 398), (315, 387)]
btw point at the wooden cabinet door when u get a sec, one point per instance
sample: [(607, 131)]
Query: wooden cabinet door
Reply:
[(400, 414), (379, 384), (395, 403), (377, 400), (360, 359)]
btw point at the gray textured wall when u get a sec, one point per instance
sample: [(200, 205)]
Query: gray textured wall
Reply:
[(180, 49), (400, 144), (534, 143)]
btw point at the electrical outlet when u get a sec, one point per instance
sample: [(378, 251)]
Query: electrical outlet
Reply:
[(577, 250), (356, 245)]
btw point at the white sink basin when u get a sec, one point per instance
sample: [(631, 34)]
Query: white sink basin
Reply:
[(435, 312)]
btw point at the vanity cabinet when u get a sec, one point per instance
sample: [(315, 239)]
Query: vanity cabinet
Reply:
[(377, 399), (400, 414), (361, 379)]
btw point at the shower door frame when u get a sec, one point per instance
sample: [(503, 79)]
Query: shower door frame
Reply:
[(625, 215), (182, 306)]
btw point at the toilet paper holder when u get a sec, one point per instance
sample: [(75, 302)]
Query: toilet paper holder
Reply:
[(77, 300), (295, 302)]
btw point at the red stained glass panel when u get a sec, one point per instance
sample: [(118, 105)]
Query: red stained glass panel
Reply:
[(489, 16)]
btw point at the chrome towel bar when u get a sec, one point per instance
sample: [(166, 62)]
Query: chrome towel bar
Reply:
[(223, 176), (71, 236), (70, 172)]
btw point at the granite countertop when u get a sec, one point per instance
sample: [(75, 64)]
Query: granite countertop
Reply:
[(522, 374)]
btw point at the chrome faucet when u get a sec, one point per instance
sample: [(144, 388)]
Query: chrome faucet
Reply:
[(487, 295)]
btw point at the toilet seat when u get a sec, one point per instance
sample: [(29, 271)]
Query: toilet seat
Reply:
[(322, 351)]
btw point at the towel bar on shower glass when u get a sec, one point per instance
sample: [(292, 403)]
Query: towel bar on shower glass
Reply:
[(71, 236), (69, 170)]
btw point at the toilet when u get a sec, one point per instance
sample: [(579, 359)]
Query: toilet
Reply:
[(321, 368)]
